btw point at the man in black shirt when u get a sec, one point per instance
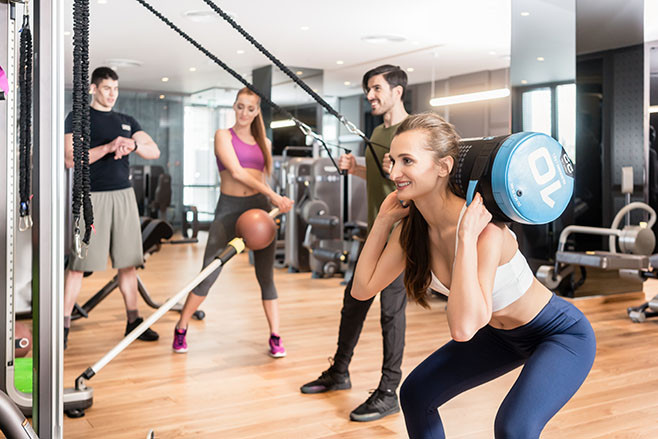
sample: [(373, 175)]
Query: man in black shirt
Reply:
[(114, 136)]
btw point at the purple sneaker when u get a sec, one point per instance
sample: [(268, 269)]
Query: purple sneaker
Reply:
[(276, 347), (180, 345)]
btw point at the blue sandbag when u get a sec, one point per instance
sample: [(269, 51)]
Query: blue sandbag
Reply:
[(525, 177)]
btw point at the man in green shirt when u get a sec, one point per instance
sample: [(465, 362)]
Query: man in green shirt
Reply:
[(384, 87)]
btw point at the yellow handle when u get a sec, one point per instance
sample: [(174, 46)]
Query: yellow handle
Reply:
[(237, 244)]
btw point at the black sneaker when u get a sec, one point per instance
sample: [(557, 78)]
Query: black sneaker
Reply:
[(380, 403), (148, 335), (66, 337), (329, 380)]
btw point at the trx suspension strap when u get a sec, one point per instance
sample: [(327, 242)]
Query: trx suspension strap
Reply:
[(81, 125), (302, 126), (25, 129), (349, 125)]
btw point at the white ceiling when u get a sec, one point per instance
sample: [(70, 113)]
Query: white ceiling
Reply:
[(440, 38), (451, 37), (543, 29)]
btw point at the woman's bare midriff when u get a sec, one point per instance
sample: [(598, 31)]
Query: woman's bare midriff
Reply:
[(522, 310), (231, 186)]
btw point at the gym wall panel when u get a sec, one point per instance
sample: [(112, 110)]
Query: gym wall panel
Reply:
[(423, 93), (351, 107), (485, 118), (500, 110), (612, 133), (628, 114)]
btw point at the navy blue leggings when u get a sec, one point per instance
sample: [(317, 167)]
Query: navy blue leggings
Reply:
[(557, 349)]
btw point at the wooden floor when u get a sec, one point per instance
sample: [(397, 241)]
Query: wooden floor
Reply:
[(226, 386)]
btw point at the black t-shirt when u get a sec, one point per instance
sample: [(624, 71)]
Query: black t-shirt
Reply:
[(107, 174)]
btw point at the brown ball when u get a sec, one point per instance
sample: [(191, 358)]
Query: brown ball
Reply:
[(257, 228), (23, 337)]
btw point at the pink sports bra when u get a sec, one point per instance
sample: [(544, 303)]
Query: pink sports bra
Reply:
[(249, 155)]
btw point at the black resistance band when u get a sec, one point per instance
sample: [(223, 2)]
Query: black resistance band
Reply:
[(25, 129), (302, 126), (80, 123)]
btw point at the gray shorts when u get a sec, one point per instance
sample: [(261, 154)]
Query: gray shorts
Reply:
[(117, 232)]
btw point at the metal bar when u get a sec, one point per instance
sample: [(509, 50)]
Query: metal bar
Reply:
[(7, 137), (23, 400), (132, 336), (48, 230), (235, 246)]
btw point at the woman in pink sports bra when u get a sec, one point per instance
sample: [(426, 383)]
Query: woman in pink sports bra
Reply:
[(244, 160), (500, 316)]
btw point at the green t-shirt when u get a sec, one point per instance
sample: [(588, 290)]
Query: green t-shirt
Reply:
[(378, 187)]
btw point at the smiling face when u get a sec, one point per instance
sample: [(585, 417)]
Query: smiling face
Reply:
[(247, 107), (415, 169), (381, 97)]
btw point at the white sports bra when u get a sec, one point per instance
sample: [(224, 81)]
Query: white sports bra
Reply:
[(512, 279)]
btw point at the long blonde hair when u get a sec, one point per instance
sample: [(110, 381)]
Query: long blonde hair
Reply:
[(442, 139), (258, 131)]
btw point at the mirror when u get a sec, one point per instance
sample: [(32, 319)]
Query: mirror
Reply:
[(542, 80), (577, 73)]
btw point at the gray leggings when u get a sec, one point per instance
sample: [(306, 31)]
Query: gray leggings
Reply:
[(222, 230)]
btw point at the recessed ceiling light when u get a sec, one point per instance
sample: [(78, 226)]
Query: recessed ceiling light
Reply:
[(540, 58), (122, 62), (340, 62), (525, 14), (299, 73), (347, 83), (162, 96), (380, 39), (67, 33), (204, 16), (304, 28), (102, 2), (415, 42), (492, 52), (410, 69), (165, 79), (524, 81), (240, 52), (192, 69)]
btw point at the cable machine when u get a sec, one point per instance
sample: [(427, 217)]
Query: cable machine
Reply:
[(45, 208)]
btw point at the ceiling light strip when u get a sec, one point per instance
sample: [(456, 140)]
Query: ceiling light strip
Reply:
[(282, 123), (470, 97)]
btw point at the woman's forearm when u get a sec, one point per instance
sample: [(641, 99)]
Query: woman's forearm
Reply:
[(365, 276), (467, 306)]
